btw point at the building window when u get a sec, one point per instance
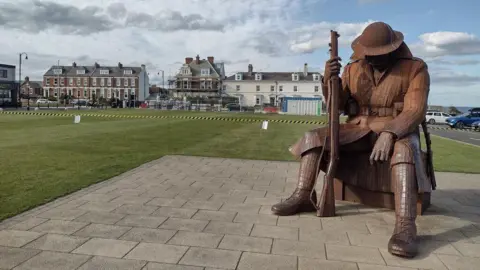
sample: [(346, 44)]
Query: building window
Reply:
[(104, 72), (127, 72), (3, 73), (205, 71), (55, 81), (238, 77), (316, 88), (109, 81), (47, 82), (272, 88), (80, 71), (258, 88), (295, 77), (55, 93), (69, 92), (85, 81), (57, 71), (295, 88), (84, 93), (125, 82), (202, 85), (125, 94), (316, 77), (62, 81), (94, 81), (280, 88), (238, 87), (118, 81), (209, 84), (257, 101), (258, 77), (70, 81), (132, 81), (109, 93), (79, 82)]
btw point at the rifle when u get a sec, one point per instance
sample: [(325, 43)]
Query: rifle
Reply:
[(326, 202), (428, 142)]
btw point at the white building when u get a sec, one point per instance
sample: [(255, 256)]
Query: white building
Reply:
[(8, 87), (270, 88)]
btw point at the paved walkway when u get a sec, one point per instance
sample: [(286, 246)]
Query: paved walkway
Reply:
[(196, 213)]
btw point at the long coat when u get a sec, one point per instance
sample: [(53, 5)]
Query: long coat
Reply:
[(394, 102)]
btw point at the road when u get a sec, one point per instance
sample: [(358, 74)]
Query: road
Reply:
[(463, 136)]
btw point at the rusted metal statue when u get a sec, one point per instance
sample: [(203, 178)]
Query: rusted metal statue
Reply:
[(384, 92)]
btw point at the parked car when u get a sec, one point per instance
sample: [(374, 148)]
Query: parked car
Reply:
[(464, 120), (437, 117), (43, 101)]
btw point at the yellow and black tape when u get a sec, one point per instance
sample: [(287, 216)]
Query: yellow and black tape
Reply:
[(229, 119)]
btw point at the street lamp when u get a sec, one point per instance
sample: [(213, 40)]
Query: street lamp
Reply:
[(20, 73)]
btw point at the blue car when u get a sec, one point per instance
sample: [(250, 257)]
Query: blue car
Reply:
[(464, 120), (476, 126)]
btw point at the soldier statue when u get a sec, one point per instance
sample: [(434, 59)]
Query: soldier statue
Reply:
[(384, 91)]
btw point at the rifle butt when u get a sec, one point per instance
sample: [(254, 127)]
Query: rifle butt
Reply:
[(326, 203)]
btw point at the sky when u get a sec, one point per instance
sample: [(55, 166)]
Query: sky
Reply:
[(272, 35)]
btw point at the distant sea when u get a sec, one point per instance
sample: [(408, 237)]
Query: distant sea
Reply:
[(463, 109)]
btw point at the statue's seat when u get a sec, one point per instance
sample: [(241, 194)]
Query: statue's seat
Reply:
[(358, 181)]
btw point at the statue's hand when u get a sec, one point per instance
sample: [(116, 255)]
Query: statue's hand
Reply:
[(332, 67), (383, 147)]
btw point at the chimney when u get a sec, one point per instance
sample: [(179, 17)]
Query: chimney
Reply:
[(97, 65), (120, 65), (250, 69), (74, 64), (305, 70), (143, 67), (27, 79), (210, 59), (198, 59), (188, 60)]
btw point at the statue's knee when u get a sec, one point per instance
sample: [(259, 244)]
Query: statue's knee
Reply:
[(402, 153)]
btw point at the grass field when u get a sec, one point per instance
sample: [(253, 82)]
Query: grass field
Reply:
[(44, 157)]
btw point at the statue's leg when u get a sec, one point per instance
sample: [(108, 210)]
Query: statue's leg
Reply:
[(299, 201), (403, 241)]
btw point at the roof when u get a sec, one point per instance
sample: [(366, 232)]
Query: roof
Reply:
[(6, 66), (215, 70), (36, 84), (274, 76), (94, 71)]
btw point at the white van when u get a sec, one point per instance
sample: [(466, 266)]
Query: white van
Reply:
[(437, 117)]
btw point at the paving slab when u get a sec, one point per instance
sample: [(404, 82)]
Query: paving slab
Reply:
[(199, 213)]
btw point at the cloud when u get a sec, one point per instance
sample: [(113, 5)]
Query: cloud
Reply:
[(36, 16), (309, 38), (439, 44), (71, 20), (117, 10), (459, 62), (449, 77), (168, 20)]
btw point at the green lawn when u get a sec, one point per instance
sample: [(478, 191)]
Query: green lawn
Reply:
[(44, 157)]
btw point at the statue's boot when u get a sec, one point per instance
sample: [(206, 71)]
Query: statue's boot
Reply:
[(403, 241), (300, 201)]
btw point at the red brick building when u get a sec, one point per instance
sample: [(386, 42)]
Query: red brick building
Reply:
[(84, 82)]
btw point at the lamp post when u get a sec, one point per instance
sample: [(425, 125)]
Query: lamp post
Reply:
[(20, 73)]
